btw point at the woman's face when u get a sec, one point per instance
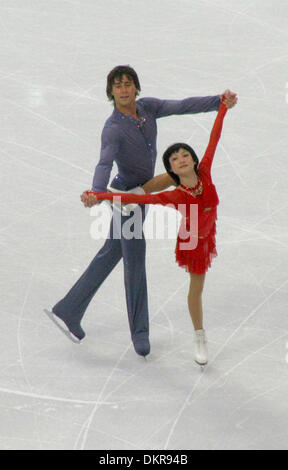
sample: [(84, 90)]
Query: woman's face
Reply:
[(182, 162)]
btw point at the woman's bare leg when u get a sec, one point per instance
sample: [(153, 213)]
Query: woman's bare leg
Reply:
[(195, 299), (196, 312)]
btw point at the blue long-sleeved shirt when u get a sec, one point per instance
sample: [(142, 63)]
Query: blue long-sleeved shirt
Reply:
[(131, 143)]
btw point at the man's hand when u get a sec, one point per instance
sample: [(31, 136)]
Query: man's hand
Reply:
[(230, 98), (89, 200)]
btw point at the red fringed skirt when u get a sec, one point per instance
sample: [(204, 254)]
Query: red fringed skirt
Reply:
[(198, 260)]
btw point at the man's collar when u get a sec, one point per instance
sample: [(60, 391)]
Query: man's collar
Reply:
[(119, 114)]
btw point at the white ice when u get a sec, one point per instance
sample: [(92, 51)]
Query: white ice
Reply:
[(54, 60)]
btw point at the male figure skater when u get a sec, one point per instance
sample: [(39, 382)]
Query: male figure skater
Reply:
[(129, 139)]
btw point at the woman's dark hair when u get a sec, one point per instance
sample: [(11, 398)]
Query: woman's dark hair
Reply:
[(175, 148), (118, 73)]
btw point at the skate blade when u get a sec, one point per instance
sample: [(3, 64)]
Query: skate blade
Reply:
[(67, 333), (201, 365)]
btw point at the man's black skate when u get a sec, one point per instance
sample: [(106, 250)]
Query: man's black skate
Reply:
[(74, 332)]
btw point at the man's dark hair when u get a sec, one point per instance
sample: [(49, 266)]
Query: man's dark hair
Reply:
[(118, 73), (175, 148)]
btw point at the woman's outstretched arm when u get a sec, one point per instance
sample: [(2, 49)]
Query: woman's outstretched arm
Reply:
[(215, 135), (164, 198)]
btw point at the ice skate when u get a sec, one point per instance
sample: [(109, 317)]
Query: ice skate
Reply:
[(141, 346), (73, 332), (201, 350)]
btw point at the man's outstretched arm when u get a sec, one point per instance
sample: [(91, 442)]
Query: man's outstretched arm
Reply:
[(193, 105), (158, 183)]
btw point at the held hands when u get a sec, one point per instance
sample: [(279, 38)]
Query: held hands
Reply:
[(229, 98), (89, 200)]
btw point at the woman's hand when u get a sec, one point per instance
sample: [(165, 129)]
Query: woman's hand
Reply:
[(89, 200)]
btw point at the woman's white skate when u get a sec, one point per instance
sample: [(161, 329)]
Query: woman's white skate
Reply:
[(201, 350)]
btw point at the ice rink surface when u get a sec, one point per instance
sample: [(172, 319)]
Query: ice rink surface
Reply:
[(55, 57)]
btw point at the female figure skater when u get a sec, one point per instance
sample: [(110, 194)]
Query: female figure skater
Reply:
[(195, 186)]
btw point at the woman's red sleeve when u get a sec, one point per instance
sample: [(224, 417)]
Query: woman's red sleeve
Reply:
[(215, 135), (163, 198)]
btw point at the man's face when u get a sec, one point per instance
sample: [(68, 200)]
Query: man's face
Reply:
[(124, 91)]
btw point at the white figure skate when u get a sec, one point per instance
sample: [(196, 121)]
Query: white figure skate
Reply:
[(201, 350)]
